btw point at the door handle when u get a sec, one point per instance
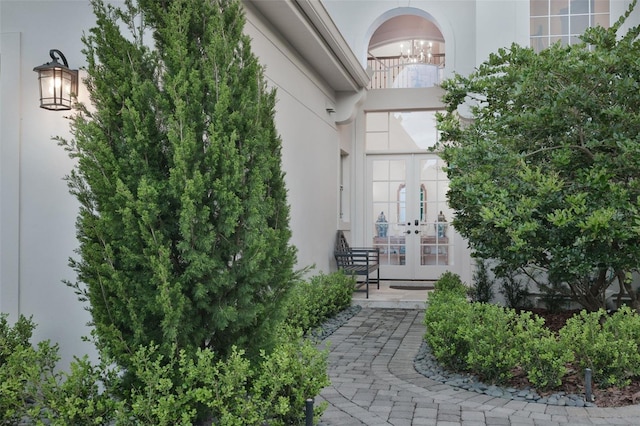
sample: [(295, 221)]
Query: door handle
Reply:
[(416, 223), (409, 231), (416, 231)]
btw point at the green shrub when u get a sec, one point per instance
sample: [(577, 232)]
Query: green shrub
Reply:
[(450, 282), (515, 291), (180, 389), (491, 341), (230, 391), (21, 368), (31, 387), (158, 400), (608, 346), (541, 354), (176, 391), (12, 337), (482, 288), (312, 302), (446, 317), (289, 376), (490, 336), (76, 397), (20, 379)]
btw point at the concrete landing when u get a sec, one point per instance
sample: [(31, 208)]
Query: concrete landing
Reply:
[(395, 295)]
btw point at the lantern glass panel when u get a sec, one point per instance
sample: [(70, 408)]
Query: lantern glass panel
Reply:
[(57, 87)]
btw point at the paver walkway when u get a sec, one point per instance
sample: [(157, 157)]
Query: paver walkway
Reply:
[(374, 383)]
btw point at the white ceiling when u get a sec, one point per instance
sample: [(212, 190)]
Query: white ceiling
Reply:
[(401, 29)]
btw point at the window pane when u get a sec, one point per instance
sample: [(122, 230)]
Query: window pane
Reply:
[(397, 170), (579, 24), (600, 20), (559, 25), (377, 122), (601, 6), (380, 191), (380, 170), (539, 43), (540, 26), (579, 6), (413, 131), (539, 7), (377, 141), (559, 7), (564, 40)]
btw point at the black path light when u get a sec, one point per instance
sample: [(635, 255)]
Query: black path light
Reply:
[(58, 83)]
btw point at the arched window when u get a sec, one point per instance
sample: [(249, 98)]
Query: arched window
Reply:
[(402, 203)]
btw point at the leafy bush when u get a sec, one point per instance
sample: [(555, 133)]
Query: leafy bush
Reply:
[(20, 379), (14, 348), (608, 346), (490, 340), (287, 377), (490, 336), (230, 391), (312, 302), (77, 397), (450, 282), (31, 387), (482, 288), (540, 353), (515, 291), (14, 337), (206, 383), (235, 391), (446, 317)]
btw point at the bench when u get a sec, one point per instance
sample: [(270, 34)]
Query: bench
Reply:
[(358, 261)]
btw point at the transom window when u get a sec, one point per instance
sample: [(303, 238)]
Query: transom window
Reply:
[(564, 20), (408, 131)]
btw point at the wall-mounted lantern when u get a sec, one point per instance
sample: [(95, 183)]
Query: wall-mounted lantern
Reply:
[(58, 83)]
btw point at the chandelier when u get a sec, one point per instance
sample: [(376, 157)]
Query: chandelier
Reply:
[(416, 52)]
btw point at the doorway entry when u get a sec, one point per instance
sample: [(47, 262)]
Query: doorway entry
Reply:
[(409, 216)]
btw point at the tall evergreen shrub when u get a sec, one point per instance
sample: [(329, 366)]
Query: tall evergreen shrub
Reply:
[(184, 222)]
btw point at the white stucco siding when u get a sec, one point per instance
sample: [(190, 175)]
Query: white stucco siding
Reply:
[(38, 233), (310, 144), (10, 80), (500, 23)]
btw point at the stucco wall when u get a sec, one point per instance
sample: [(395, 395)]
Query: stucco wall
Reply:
[(37, 224), (310, 144)]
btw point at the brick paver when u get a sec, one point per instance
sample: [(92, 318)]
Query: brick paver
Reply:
[(374, 383)]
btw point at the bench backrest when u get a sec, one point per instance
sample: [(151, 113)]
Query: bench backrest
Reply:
[(342, 248)]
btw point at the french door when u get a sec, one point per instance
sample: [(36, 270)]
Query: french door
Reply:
[(409, 216)]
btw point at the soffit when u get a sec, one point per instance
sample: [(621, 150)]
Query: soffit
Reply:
[(308, 28)]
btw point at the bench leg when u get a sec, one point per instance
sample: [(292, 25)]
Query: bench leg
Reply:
[(367, 284)]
